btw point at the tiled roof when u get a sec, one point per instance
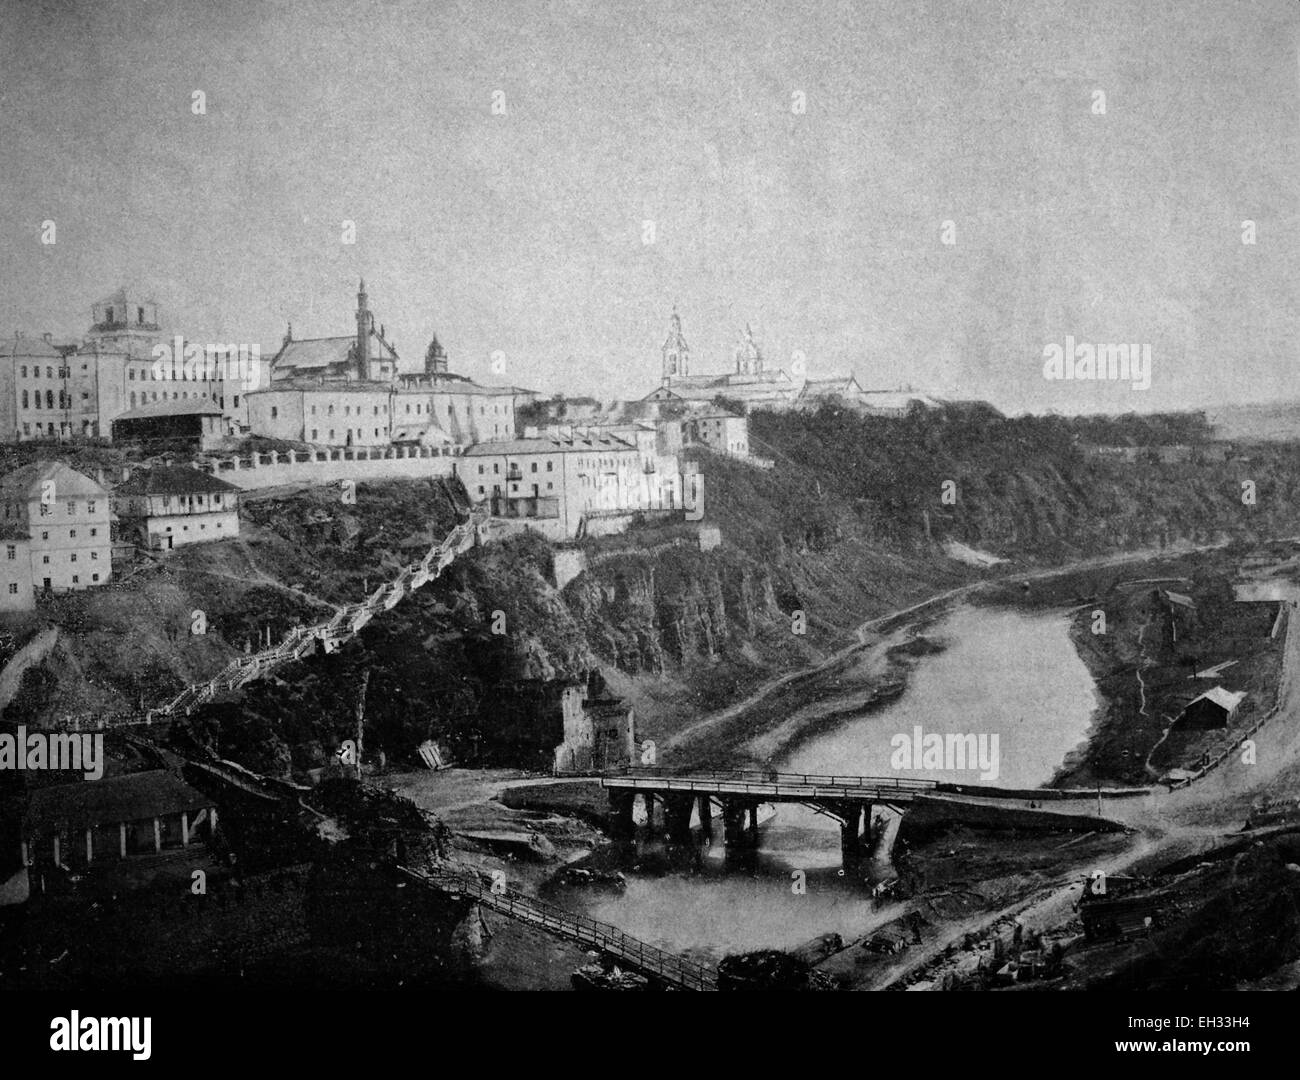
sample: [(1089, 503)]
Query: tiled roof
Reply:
[(111, 799), (317, 354), (550, 445), (25, 346), (156, 409), (1227, 700), (172, 480), (25, 483)]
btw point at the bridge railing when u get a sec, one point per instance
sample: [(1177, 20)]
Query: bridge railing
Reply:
[(581, 928), (764, 777)]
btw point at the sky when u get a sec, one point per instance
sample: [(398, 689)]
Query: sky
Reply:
[(521, 232)]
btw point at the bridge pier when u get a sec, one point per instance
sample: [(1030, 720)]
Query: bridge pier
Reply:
[(648, 800), (851, 832), (706, 815), (740, 823), (677, 817), (882, 850), (620, 813)]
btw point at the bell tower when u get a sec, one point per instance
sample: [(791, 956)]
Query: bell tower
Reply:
[(364, 321), (676, 353), (749, 359)]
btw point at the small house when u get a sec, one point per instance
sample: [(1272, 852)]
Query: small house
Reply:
[(1213, 709), (172, 505)]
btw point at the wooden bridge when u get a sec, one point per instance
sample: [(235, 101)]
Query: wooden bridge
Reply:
[(846, 799), (849, 800), (630, 952)]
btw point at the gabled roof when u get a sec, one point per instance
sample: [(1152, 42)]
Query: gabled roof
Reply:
[(842, 384), (26, 483), (156, 409), (317, 354), (1227, 700), (109, 800), (29, 347), (555, 444), (172, 480)]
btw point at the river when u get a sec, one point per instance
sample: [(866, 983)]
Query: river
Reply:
[(1003, 672)]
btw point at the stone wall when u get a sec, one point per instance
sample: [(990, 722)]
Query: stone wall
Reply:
[(263, 470)]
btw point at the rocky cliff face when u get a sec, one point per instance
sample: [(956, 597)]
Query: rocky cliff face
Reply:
[(657, 614)]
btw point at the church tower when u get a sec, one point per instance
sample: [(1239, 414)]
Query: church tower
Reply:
[(364, 322), (435, 358), (676, 353), (749, 359)]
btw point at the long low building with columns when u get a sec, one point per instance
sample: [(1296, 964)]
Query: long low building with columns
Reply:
[(87, 823)]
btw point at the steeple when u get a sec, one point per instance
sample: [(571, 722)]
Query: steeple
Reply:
[(676, 353), (749, 359), (364, 321), (435, 358)]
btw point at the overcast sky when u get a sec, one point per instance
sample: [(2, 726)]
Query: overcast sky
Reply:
[(524, 232)]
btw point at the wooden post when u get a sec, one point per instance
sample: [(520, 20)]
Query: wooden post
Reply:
[(122, 834), (185, 829), (90, 847), (706, 815), (157, 836)]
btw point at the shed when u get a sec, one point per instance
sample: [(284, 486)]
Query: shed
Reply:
[(196, 423), (1213, 709)]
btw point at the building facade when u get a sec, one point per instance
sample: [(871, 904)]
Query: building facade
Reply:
[(352, 391), (556, 482), (65, 519), (170, 506)]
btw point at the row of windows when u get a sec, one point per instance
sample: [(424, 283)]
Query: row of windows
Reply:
[(63, 428), (76, 580), (347, 410), (64, 399), (11, 552), (63, 372), (496, 467), (180, 375), (347, 434), (190, 501), (549, 487), (14, 510)]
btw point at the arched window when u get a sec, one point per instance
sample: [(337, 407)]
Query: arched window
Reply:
[(133, 399), (49, 399), (25, 405)]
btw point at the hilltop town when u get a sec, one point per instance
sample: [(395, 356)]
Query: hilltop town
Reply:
[(318, 602)]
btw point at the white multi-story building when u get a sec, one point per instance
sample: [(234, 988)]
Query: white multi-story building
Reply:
[(126, 361), (65, 518), (351, 391), (557, 482)]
